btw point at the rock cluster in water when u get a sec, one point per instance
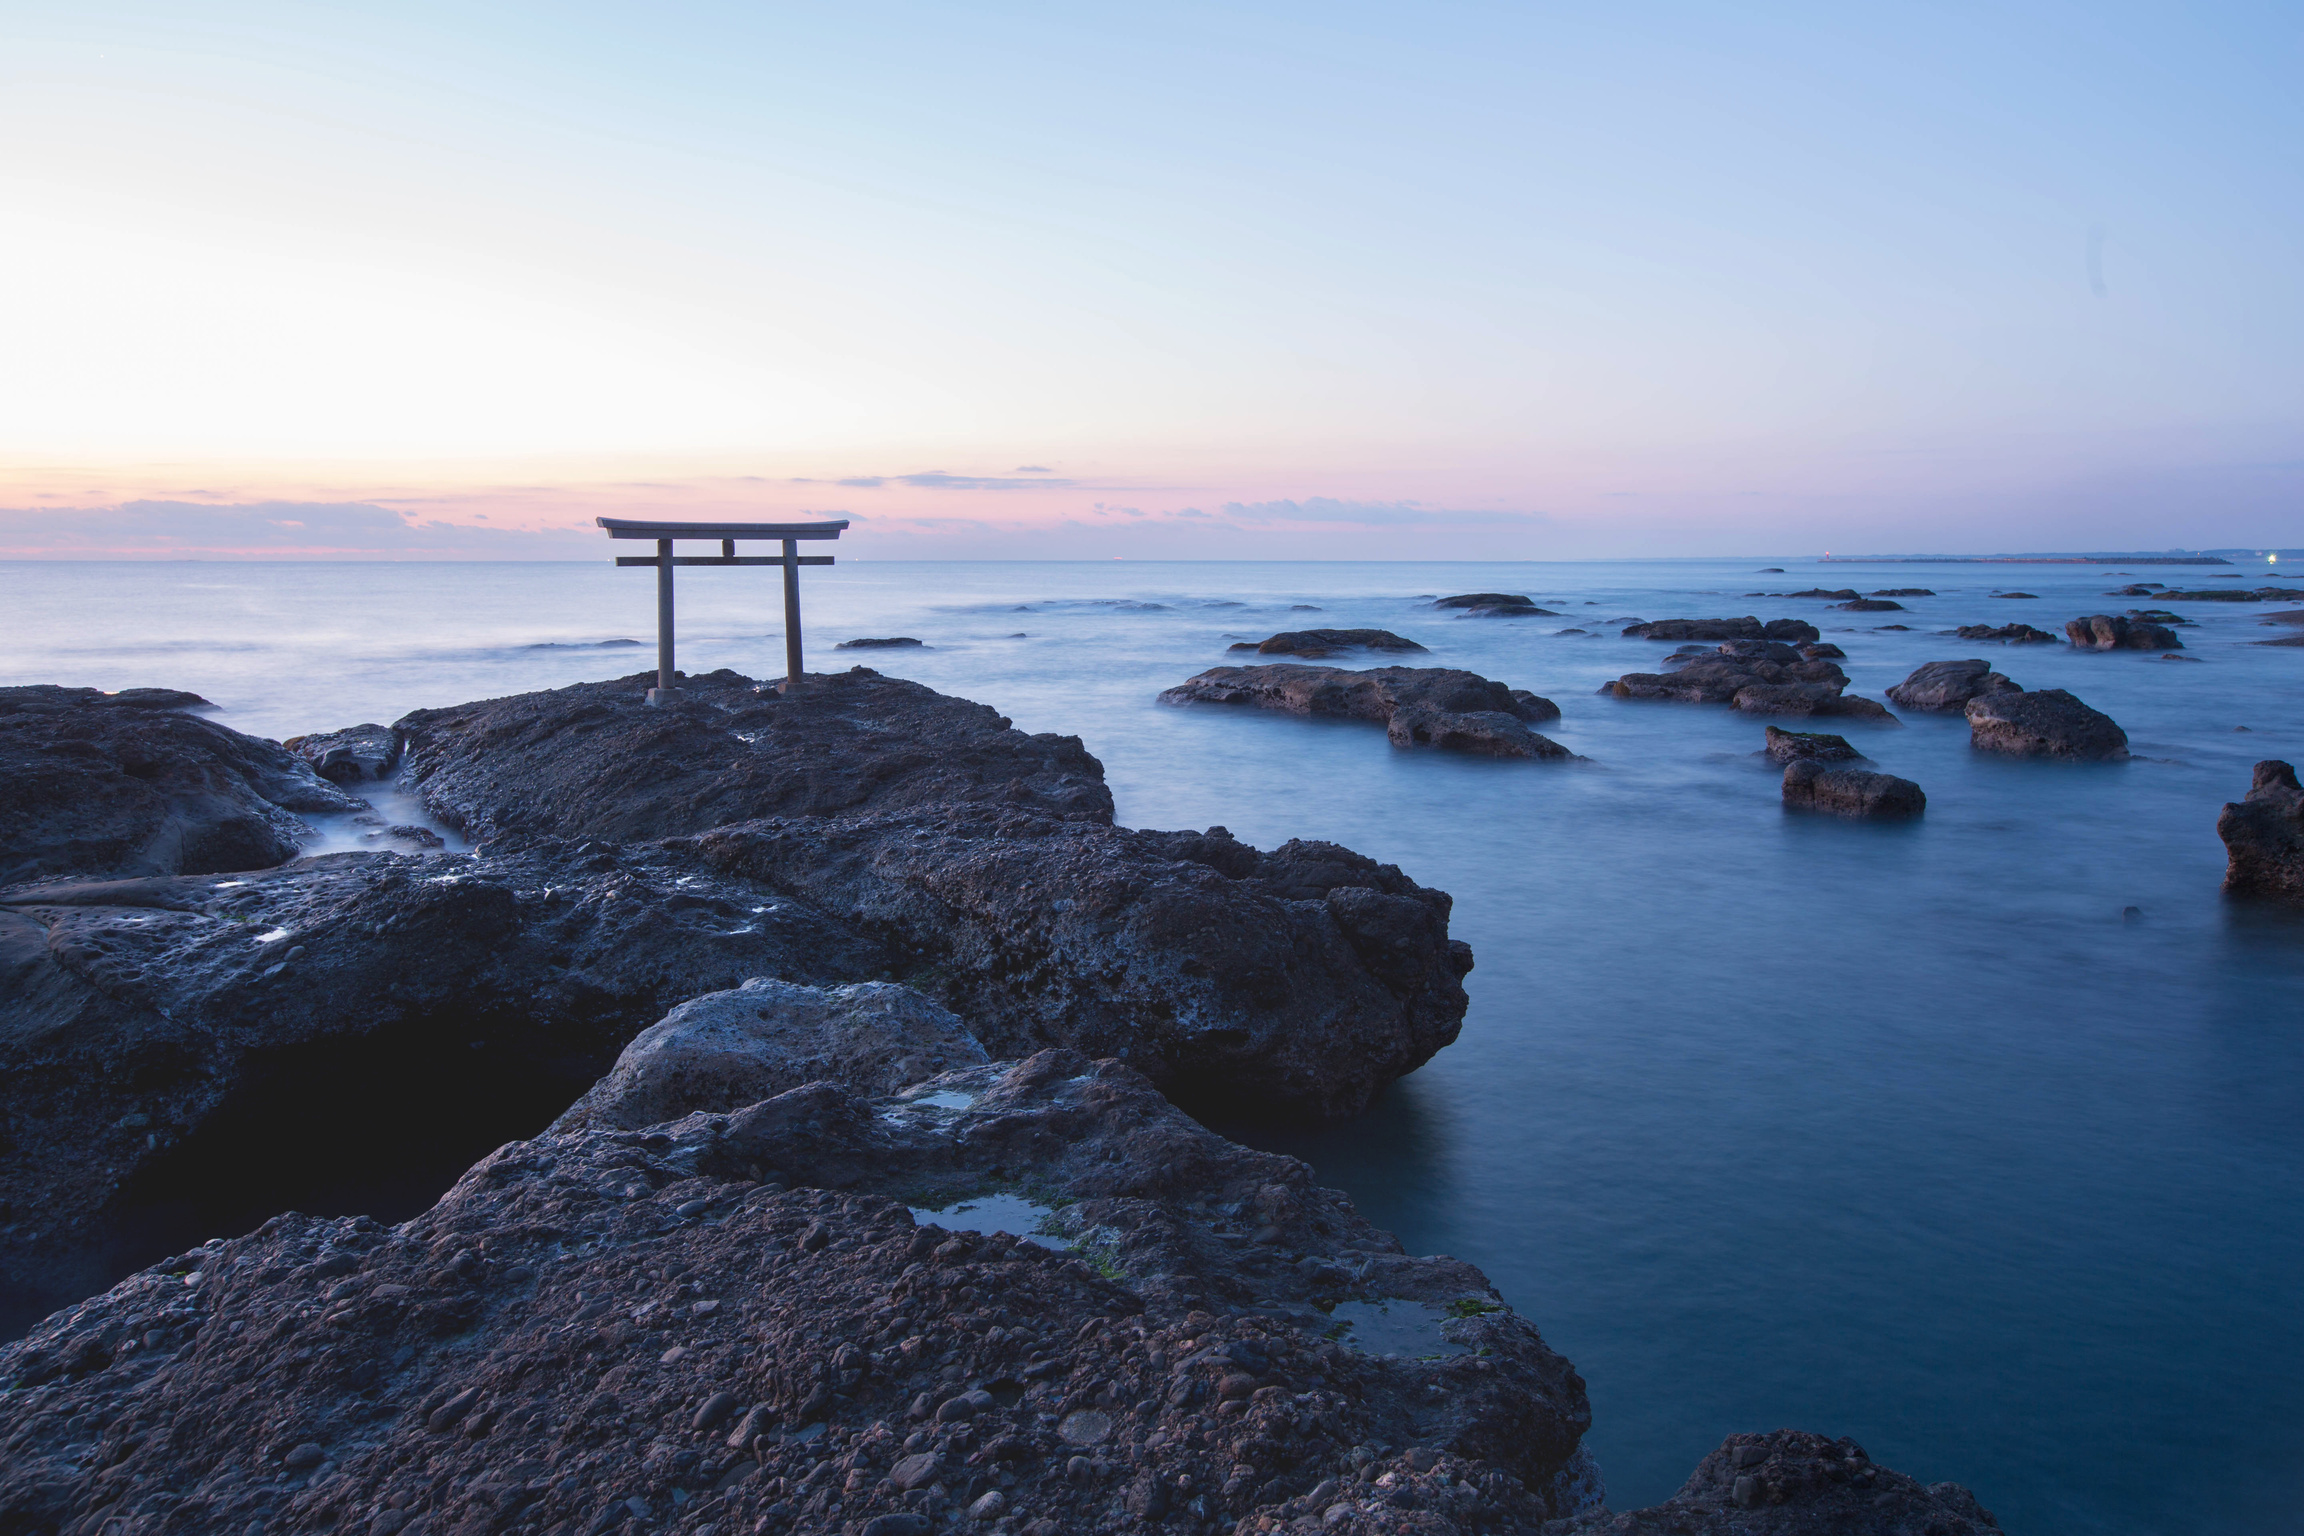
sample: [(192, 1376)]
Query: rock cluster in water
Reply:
[(1761, 677), (1791, 631), (2115, 632), (1442, 707), (2010, 634)]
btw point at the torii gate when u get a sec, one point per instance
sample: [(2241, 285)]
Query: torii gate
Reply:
[(727, 534)]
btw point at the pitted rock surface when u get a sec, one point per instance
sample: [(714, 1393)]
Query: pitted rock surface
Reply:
[(736, 1322), (2264, 835), (353, 755), (1949, 685), (1810, 785), (1760, 677), (96, 783), (2047, 723), (597, 761), (2011, 634), (2116, 632), (1792, 1483), (1418, 706)]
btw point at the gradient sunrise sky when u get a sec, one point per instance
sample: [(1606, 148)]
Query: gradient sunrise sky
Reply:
[(1313, 281)]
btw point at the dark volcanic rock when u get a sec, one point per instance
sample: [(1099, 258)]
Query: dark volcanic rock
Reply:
[(596, 760), (2049, 723), (2264, 836), (1495, 605), (2139, 589), (891, 643), (1822, 650), (2032, 595), (1807, 746), (1795, 1484), (125, 784), (1761, 677), (354, 755), (1810, 785), (1327, 642), (1872, 605), (1747, 628), (1905, 592), (738, 1321), (1418, 706), (2231, 595), (1949, 685), (2111, 632), (2013, 634), (1845, 594)]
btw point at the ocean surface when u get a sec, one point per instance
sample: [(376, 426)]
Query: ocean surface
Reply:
[(1913, 1133)]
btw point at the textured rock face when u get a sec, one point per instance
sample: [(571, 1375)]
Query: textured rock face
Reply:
[(2011, 634), (354, 755), (1761, 677), (595, 760), (1297, 981), (1805, 746), (1792, 631), (737, 1321), (125, 784), (767, 1037), (1795, 1484), (2048, 723), (1418, 706), (1327, 642), (1810, 785), (1949, 685), (2264, 836), (2113, 632)]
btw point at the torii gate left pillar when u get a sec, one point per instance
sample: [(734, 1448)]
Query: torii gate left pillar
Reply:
[(726, 536)]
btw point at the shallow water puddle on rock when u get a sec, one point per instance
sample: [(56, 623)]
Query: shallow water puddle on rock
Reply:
[(1394, 1327), (946, 1098), (1012, 1214)]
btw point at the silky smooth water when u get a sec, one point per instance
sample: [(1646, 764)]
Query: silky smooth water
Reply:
[(1905, 1132)]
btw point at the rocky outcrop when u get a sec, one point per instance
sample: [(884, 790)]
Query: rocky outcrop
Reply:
[(2114, 632), (1806, 746), (2232, 595), (1791, 1483), (1949, 685), (1761, 677), (768, 1037), (1844, 594), (1810, 785), (1872, 605), (595, 760), (356, 755), (1792, 631), (2048, 723), (1905, 592), (1821, 650), (2030, 595), (1495, 605), (95, 783), (755, 1320), (2012, 634), (1327, 642), (2264, 836), (890, 643), (1418, 706)]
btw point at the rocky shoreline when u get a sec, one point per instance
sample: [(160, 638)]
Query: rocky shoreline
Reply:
[(864, 1203)]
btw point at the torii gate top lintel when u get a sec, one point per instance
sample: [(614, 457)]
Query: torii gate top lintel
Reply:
[(726, 534)]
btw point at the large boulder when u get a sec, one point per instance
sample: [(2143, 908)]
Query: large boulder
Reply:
[(1810, 785), (354, 755), (2116, 632), (2046, 723), (766, 1037), (596, 760), (1808, 746), (785, 1317), (1747, 628), (1791, 1483), (1949, 685), (1327, 642), (1419, 706), (1761, 677), (95, 783), (2264, 835)]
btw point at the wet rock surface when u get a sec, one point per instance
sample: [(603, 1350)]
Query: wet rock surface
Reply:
[(1872, 605), (736, 1322), (353, 756), (2048, 723), (1327, 642), (1495, 605), (2264, 835), (595, 760), (129, 784), (1808, 746), (1949, 685), (2010, 634), (1792, 631), (1791, 1483), (1418, 706), (1761, 677), (892, 642), (2117, 632), (1812, 785)]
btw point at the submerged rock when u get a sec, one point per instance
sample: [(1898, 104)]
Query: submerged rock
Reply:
[(2264, 835), (1761, 677), (1327, 642), (893, 642), (2012, 634), (1949, 685), (1418, 706), (595, 760), (354, 755), (2031, 595), (1748, 628), (752, 1320), (2048, 723), (2110, 632), (93, 783), (1812, 786), (1805, 746), (1791, 1483)]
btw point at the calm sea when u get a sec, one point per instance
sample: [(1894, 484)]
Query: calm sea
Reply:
[(1911, 1133)]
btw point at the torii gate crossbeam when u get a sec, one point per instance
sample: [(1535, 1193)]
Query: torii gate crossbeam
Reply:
[(726, 536)]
